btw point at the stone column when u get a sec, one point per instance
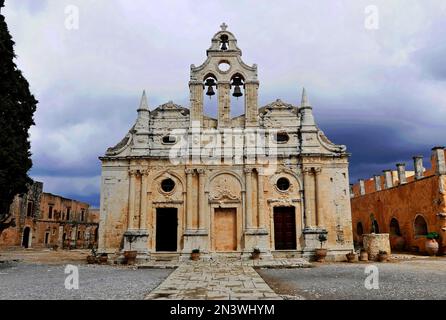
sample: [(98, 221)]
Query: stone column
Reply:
[(439, 160), (143, 216), (251, 89), (224, 108), (309, 197), (318, 206), (189, 212), (418, 167), (201, 198), (196, 101), (248, 198), (401, 168), (132, 186), (361, 187), (377, 182), (388, 183), (260, 202)]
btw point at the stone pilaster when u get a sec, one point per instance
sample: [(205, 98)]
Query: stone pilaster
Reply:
[(132, 187), (309, 193), (318, 186), (260, 200), (251, 103), (189, 212), (224, 108), (196, 102), (201, 199), (248, 198), (143, 215)]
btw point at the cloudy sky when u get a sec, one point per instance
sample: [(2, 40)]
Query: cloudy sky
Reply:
[(380, 91)]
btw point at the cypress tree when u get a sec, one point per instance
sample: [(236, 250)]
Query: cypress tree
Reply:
[(17, 107)]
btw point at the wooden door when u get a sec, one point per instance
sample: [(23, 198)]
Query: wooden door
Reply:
[(225, 229), (284, 228), (166, 229)]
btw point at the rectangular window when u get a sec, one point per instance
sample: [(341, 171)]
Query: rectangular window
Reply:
[(47, 237), (82, 215), (68, 213), (30, 209), (78, 235), (50, 212)]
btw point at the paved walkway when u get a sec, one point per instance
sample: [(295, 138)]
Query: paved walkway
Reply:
[(214, 280)]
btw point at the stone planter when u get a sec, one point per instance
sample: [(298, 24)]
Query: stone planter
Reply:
[(374, 243), (383, 257), (351, 257), (130, 257), (91, 259), (320, 254), (195, 256), (363, 255), (103, 258), (255, 255), (431, 247)]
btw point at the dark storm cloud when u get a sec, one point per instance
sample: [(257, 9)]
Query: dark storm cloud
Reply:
[(380, 92)]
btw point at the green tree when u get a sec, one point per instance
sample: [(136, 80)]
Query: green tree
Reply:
[(17, 107)]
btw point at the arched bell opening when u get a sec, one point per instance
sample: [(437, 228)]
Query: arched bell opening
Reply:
[(210, 100), (224, 42), (237, 95)]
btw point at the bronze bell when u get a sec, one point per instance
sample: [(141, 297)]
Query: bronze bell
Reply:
[(224, 47), (210, 83), (210, 91), (237, 92)]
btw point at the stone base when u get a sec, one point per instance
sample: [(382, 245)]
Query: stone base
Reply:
[(195, 239), (376, 242), (136, 239), (256, 238), (311, 240)]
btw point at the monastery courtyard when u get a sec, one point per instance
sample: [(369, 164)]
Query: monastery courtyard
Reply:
[(40, 274)]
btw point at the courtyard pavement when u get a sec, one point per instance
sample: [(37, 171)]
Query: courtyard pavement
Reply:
[(213, 280), (415, 279), (34, 274)]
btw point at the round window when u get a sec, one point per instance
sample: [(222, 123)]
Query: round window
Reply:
[(224, 66), (167, 185), (283, 184)]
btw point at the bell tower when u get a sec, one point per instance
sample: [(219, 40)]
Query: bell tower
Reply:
[(224, 71)]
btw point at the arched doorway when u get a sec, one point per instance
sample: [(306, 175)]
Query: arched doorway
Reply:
[(420, 226), (25, 238), (395, 227)]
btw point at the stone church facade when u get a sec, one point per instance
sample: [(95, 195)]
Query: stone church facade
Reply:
[(183, 180)]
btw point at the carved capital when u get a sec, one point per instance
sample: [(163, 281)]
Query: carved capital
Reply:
[(307, 171), (133, 172), (318, 170), (201, 171), (189, 171), (247, 170)]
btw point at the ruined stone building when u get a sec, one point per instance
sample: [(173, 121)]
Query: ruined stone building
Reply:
[(406, 205), (183, 180), (44, 220)]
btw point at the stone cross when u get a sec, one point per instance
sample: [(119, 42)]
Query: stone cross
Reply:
[(224, 26)]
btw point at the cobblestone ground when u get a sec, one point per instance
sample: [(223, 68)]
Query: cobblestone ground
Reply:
[(27, 281), (214, 281), (416, 279)]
